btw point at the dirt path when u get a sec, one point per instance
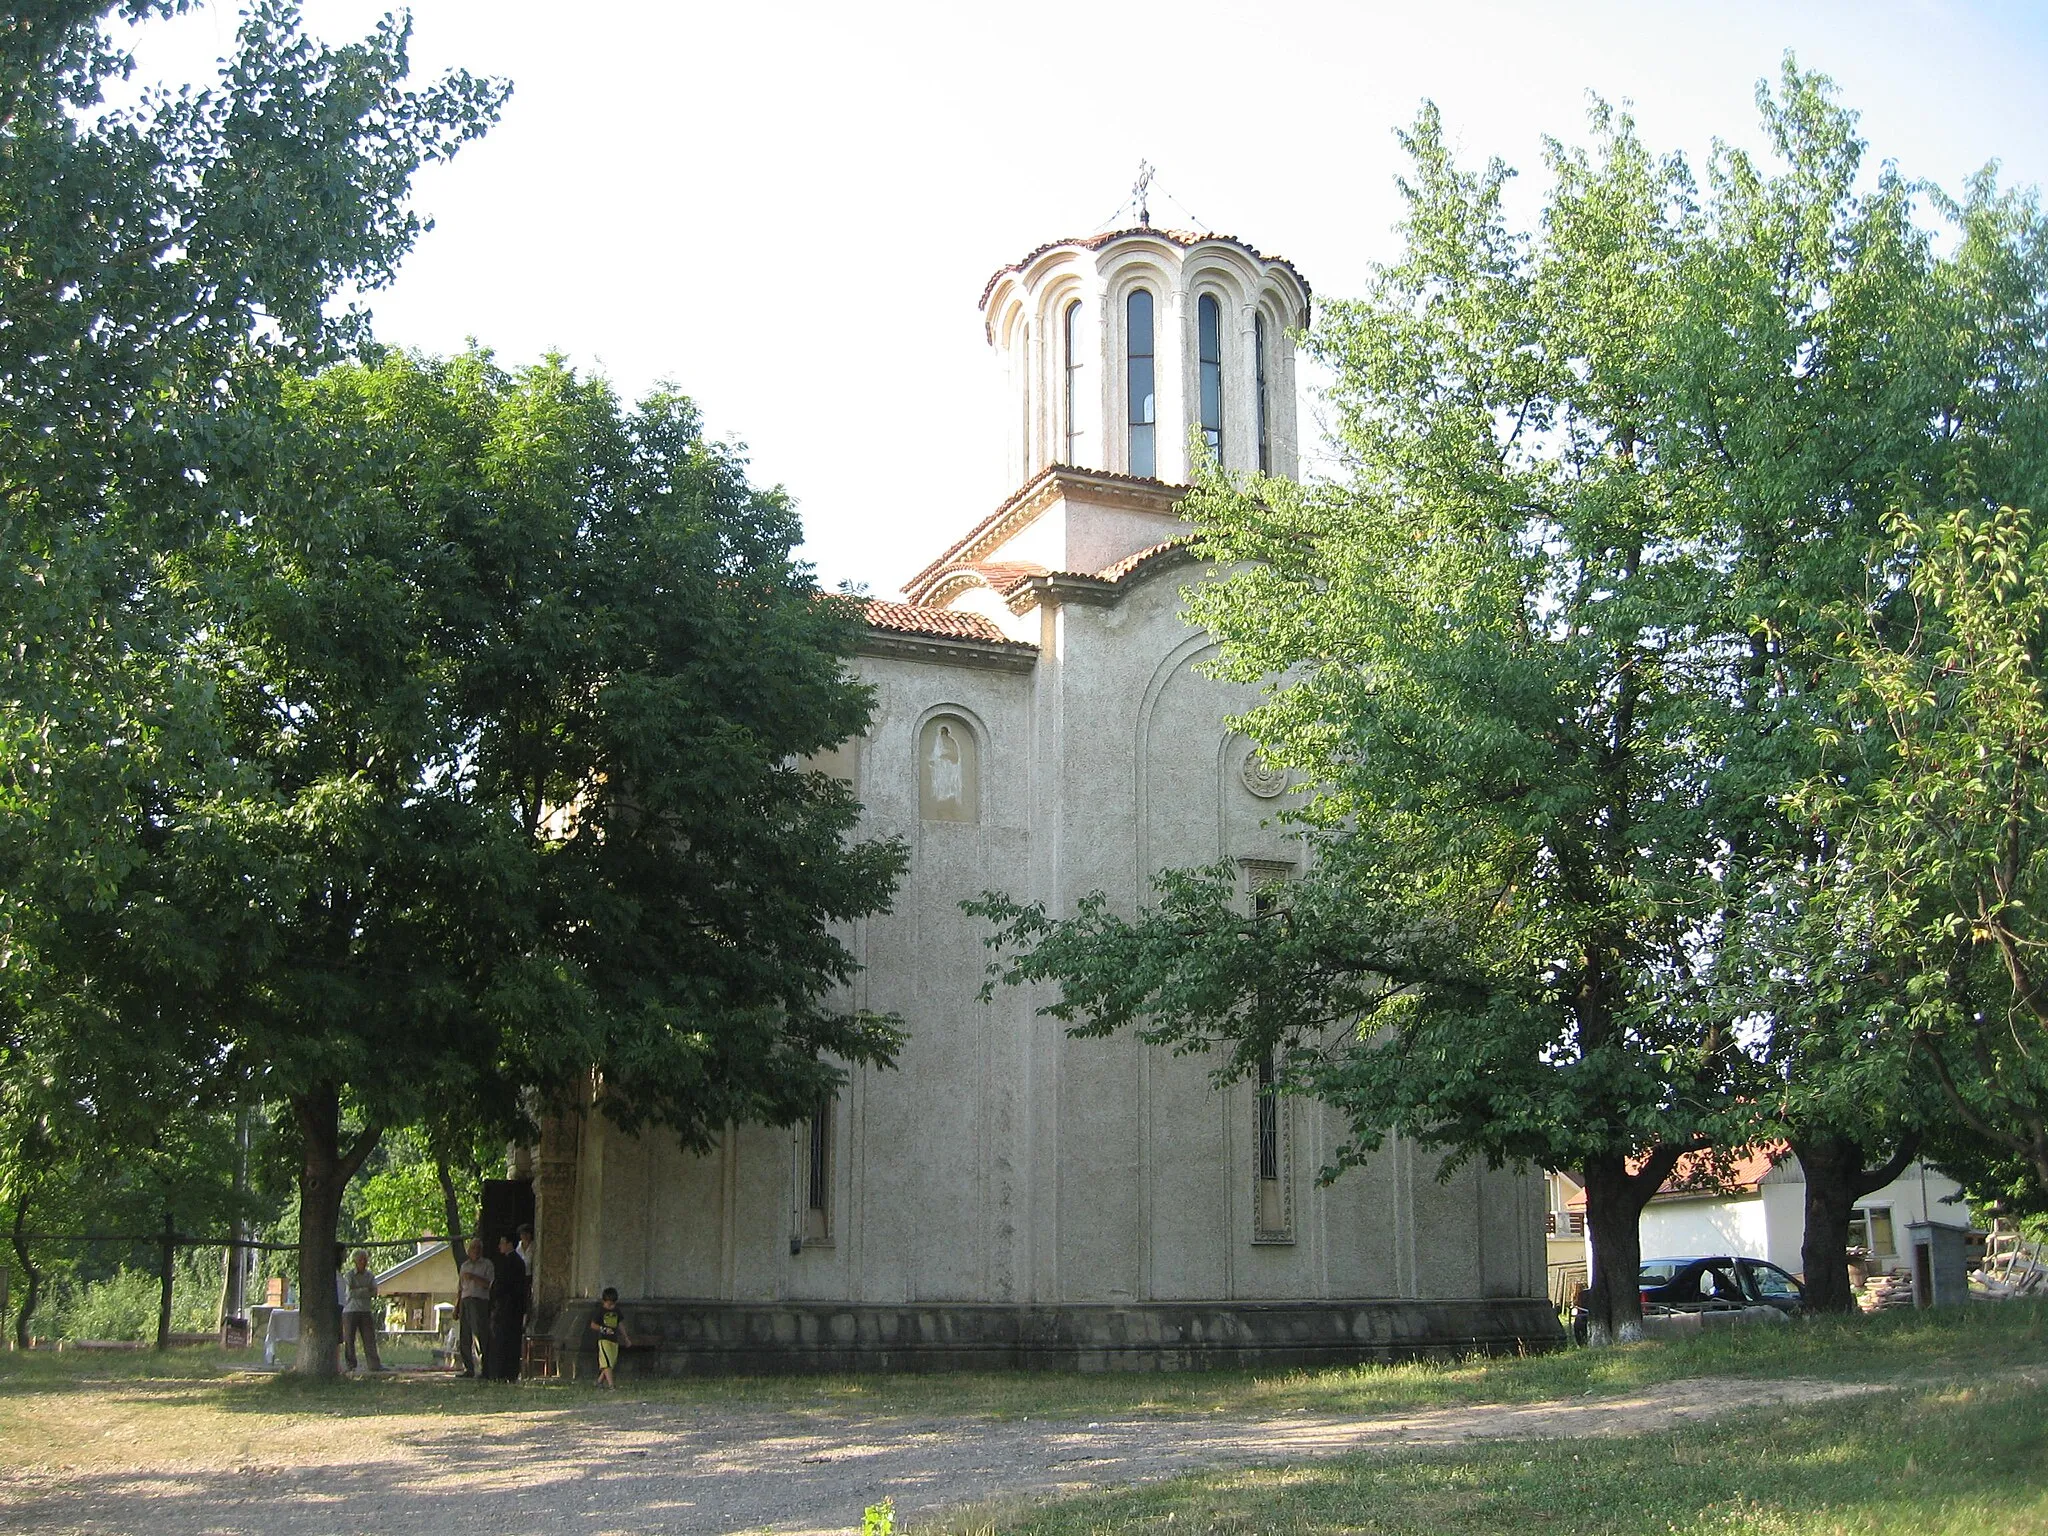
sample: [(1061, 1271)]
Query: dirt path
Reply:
[(620, 1466)]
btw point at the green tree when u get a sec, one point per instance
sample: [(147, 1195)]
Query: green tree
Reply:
[(164, 262), (1944, 820), (515, 686), (126, 1145), (1555, 652)]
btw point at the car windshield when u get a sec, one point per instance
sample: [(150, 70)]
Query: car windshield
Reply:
[(1659, 1271)]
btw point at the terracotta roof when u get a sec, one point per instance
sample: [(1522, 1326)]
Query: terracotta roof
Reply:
[(1006, 575), (1187, 239), (1695, 1176), (943, 623), (1130, 563)]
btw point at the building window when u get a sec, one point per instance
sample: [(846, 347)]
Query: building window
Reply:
[(1209, 342), (1870, 1228), (1272, 1217), (1269, 1123), (948, 771), (817, 1175), (1073, 344), (1259, 362), (1144, 404), (1272, 1209)]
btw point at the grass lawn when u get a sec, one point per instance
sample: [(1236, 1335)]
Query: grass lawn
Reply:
[(1921, 1346), (1957, 1440), (1941, 1461)]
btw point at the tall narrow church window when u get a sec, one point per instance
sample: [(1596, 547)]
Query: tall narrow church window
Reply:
[(817, 1213), (1144, 411), (1074, 418), (1259, 351), (1271, 1218), (1272, 1214), (1209, 338), (1269, 1123)]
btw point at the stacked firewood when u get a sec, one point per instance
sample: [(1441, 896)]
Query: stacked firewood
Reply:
[(1881, 1293)]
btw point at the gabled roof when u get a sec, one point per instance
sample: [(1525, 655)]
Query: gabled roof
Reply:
[(1186, 239), (1033, 497), (1696, 1177), (425, 1256)]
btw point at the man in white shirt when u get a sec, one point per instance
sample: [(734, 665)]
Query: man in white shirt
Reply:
[(474, 1305), (359, 1313)]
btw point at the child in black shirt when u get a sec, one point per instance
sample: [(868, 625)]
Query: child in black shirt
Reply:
[(610, 1327)]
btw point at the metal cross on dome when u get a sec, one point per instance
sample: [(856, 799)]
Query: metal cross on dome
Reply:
[(1141, 193)]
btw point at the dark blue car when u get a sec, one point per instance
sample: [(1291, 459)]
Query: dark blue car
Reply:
[(1721, 1283)]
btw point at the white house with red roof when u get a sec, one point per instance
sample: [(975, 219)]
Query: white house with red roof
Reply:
[(1043, 726), (1754, 1206)]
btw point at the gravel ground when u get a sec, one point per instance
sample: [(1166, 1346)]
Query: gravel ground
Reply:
[(616, 1465)]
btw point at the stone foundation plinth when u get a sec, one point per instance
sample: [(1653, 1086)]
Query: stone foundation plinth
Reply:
[(706, 1338)]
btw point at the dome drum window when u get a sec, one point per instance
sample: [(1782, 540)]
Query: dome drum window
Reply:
[(1209, 341), (1074, 418), (1140, 381)]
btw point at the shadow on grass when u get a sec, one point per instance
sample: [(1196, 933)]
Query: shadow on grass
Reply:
[(1934, 1462), (1909, 1346)]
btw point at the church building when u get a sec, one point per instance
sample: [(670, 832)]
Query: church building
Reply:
[(1008, 1195)]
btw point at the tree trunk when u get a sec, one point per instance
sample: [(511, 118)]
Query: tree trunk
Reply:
[(34, 1276), (1835, 1180), (324, 1172), (451, 1213), (1614, 1209), (166, 1274)]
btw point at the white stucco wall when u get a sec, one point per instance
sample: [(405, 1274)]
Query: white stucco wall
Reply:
[(1003, 1161), (1683, 1229), (1770, 1223)]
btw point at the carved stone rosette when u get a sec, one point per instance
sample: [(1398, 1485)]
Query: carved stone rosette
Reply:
[(1260, 778)]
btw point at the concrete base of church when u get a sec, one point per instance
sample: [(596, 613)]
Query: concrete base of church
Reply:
[(706, 1338)]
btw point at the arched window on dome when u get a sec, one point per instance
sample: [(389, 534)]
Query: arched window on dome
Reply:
[(1209, 339), (1144, 404), (1259, 349), (1073, 364)]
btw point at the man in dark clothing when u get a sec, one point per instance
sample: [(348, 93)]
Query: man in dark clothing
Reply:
[(508, 1314)]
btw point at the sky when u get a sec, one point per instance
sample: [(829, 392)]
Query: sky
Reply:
[(789, 209)]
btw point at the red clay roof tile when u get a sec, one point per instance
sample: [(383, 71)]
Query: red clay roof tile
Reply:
[(1130, 563), (941, 623)]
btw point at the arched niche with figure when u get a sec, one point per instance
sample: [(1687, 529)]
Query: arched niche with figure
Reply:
[(948, 770)]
